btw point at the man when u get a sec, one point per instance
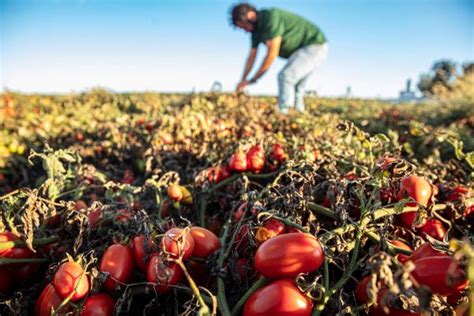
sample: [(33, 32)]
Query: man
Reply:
[(286, 35)]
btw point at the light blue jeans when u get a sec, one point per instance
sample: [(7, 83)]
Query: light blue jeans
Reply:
[(293, 77)]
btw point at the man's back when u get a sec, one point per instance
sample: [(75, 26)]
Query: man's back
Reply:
[(295, 31)]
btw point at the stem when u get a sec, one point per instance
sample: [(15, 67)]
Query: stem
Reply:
[(326, 274), (238, 306), (4, 261), (377, 214), (20, 243), (194, 287), (321, 210), (221, 297), (393, 250)]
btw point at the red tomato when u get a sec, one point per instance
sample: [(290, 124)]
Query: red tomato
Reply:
[(94, 217), (425, 251), (270, 229), (128, 176), (434, 228), (225, 172), (287, 255), (469, 211), (362, 297), (214, 174), (205, 242), (240, 211), (279, 298), (4, 237), (118, 262), (6, 281), (123, 215), (416, 188), (163, 274), (47, 301), (70, 278), (139, 253), (255, 159), (98, 305), (174, 192), (176, 243), (433, 272), (278, 153), (80, 205), (241, 241), (400, 244), (238, 162)]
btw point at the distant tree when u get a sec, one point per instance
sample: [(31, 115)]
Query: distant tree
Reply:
[(442, 74), (468, 68)]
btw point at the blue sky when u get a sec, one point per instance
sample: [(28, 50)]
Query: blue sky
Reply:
[(161, 45)]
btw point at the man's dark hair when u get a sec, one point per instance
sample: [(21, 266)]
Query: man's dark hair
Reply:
[(239, 12)]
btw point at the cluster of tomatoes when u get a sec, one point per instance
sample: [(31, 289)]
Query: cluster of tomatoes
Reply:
[(256, 160), (159, 263), (434, 269)]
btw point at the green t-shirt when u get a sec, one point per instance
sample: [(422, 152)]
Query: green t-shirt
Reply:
[(295, 31)]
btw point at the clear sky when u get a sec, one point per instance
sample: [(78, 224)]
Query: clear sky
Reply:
[(178, 45)]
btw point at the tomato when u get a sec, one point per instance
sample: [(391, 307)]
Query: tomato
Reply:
[(278, 153), (240, 211), (244, 269), (214, 174), (238, 162), (433, 272), (400, 244), (287, 255), (128, 176), (279, 298), (205, 242), (94, 217), (417, 189), (241, 241), (49, 300), (4, 237), (362, 297), (123, 215), (387, 196), (469, 211), (225, 172), (177, 241), (118, 262), (80, 205), (98, 305), (255, 159), (164, 274), (270, 229), (174, 192), (6, 281), (139, 252), (71, 278), (434, 228), (425, 251)]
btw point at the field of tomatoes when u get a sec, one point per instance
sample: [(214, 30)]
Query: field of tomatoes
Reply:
[(216, 204)]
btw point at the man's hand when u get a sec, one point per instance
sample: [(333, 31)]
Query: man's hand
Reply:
[(241, 86)]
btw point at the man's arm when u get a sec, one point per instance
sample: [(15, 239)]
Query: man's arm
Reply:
[(273, 46), (273, 51), (249, 64)]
